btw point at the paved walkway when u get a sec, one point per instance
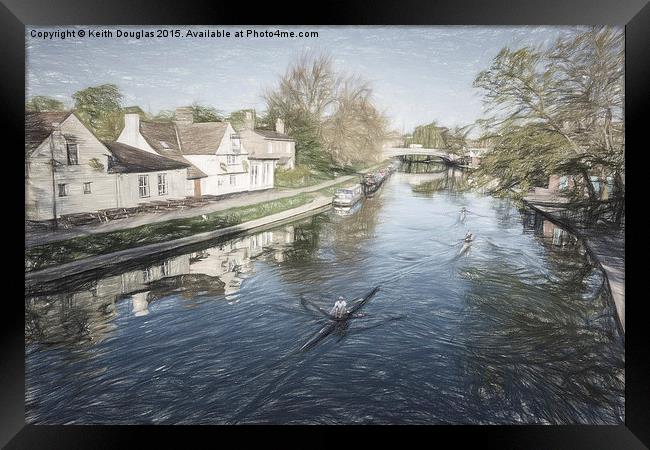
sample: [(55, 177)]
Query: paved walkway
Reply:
[(606, 246), (39, 237)]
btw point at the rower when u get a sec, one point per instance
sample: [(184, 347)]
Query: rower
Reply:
[(463, 211), (340, 309), (468, 237)]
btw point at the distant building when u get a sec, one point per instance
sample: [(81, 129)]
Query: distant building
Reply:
[(69, 171), (219, 163), (269, 145)]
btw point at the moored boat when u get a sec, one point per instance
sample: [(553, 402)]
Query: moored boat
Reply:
[(347, 196)]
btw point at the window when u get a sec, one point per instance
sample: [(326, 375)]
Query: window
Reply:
[(147, 275), (143, 185), (165, 268), (254, 174), (73, 154), (265, 174), (236, 143), (88, 188), (63, 190), (232, 159), (233, 180), (162, 184), (270, 147)]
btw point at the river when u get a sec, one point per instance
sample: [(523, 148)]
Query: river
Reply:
[(515, 328)]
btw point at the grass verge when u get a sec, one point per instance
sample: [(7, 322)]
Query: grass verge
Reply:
[(55, 253)]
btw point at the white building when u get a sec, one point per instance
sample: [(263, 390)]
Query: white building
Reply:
[(269, 144), (69, 171), (219, 162)]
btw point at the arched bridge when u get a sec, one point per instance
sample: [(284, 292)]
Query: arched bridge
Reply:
[(392, 152)]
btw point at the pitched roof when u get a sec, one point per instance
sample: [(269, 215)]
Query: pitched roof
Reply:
[(38, 126), (130, 159), (161, 136), (270, 134), (201, 138)]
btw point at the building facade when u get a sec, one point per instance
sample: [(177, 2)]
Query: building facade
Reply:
[(219, 161), (69, 171), (269, 144)]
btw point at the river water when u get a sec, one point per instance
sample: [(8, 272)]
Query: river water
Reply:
[(514, 328)]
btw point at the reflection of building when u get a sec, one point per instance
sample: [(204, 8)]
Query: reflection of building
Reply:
[(559, 236), (86, 314), (231, 260), (535, 222)]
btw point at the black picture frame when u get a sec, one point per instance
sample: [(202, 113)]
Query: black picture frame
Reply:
[(16, 14)]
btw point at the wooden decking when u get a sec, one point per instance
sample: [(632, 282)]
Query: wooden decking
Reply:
[(604, 241)]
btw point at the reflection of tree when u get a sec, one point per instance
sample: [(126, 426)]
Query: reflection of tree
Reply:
[(354, 231), (450, 180), (540, 347), (306, 240), (67, 318), (186, 285)]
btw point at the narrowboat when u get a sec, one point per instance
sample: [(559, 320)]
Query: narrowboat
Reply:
[(347, 196)]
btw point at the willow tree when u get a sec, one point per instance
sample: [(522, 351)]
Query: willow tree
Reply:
[(556, 111), (430, 135)]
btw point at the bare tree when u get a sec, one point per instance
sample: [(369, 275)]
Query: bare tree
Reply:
[(331, 115)]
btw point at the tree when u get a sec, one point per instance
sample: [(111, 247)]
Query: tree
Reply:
[(164, 115), (330, 115), (561, 108), (100, 108), (237, 118), (430, 135), (204, 113), (41, 103)]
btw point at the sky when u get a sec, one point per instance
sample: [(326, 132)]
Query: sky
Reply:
[(418, 74)]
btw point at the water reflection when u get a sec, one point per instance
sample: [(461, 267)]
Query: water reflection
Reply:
[(85, 314), (518, 330)]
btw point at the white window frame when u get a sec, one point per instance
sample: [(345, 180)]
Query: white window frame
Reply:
[(231, 160), (233, 180), (143, 188), (88, 187), (164, 185)]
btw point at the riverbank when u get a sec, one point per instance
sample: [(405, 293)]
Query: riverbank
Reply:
[(607, 249), (315, 206), (40, 237)]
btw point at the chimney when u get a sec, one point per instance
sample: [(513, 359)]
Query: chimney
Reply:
[(184, 115), (279, 125), (131, 130), (249, 122)]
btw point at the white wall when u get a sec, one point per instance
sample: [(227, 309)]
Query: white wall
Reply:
[(38, 185), (129, 187), (130, 135), (219, 169)]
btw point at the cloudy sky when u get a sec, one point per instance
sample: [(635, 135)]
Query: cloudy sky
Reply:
[(419, 74)]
